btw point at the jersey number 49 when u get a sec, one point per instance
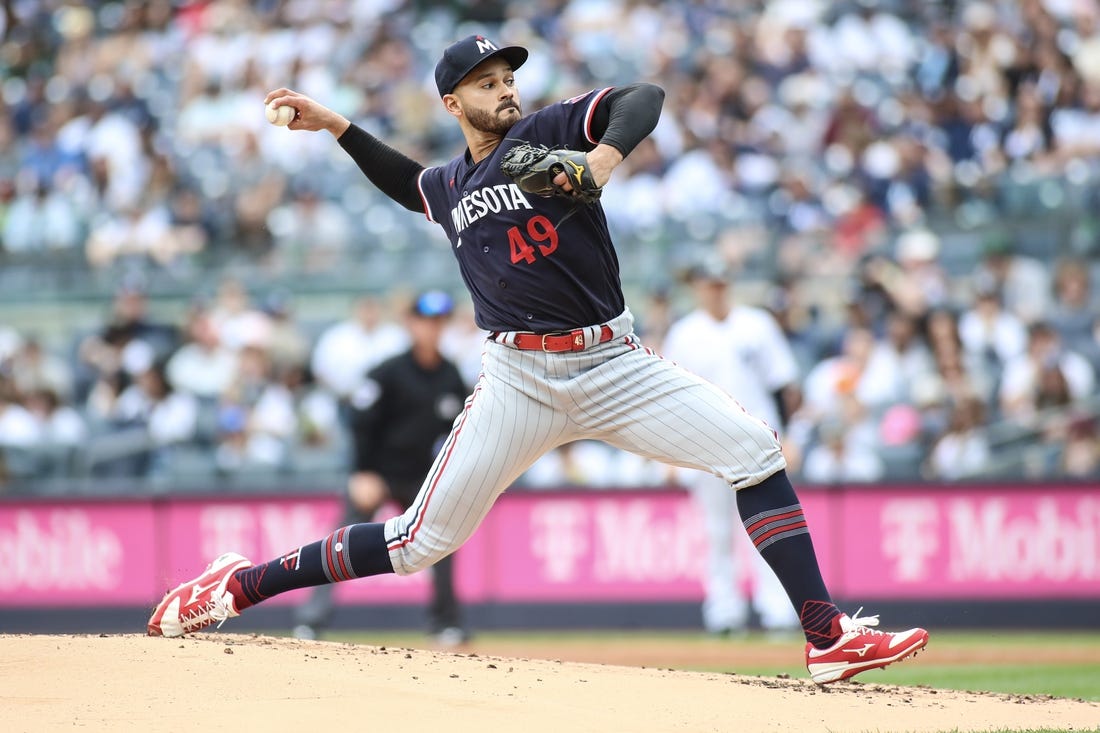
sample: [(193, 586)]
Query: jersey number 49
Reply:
[(541, 231)]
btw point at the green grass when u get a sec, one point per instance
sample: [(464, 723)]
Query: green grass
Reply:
[(1057, 681), (1079, 680)]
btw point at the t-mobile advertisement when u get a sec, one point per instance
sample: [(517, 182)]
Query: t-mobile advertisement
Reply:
[(931, 543)]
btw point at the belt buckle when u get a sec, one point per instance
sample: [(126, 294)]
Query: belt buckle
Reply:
[(577, 336)]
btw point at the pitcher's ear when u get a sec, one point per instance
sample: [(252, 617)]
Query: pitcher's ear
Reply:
[(452, 104)]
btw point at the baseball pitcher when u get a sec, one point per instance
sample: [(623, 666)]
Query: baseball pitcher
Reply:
[(521, 209)]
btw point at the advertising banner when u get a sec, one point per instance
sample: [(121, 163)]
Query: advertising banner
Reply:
[(57, 554), (972, 544), (897, 542)]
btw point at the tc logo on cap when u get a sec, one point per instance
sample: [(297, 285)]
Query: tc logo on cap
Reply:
[(484, 45), (460, 58)]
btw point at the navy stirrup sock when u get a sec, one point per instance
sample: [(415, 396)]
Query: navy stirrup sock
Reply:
[(355, 551), (777, 527)]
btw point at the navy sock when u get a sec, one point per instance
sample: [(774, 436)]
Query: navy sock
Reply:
[(775, 523), (355, 551)]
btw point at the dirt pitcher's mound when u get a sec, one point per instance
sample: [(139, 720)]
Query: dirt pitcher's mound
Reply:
[(247, 683)]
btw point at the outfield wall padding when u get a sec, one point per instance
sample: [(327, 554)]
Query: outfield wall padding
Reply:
[(942, 546)]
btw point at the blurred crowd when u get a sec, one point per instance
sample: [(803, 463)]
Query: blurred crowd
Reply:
[(239, 386), (822, 139)]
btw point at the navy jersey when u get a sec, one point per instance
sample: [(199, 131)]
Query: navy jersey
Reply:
[(531, 263)]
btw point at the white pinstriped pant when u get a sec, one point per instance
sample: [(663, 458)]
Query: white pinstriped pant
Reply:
[(528, 402)]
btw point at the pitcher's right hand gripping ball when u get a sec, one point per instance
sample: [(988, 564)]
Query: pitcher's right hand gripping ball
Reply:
[(534, 167)]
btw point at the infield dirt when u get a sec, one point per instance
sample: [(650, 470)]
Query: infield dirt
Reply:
[(245, 683)]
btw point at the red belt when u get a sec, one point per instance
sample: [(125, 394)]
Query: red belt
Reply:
[(558, 342)]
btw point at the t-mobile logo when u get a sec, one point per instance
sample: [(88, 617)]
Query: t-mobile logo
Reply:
[(910, 537), (559, 538)]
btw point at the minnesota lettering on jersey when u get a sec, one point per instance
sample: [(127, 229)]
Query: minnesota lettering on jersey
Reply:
[(473, 206)]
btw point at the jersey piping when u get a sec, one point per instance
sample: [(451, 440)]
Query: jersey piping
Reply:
[(590, 112), (423, 198)]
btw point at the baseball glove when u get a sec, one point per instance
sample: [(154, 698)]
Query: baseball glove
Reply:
[(533, 168)]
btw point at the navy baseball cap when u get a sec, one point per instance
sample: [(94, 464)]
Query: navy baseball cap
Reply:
[(460, 58), (433, 304)]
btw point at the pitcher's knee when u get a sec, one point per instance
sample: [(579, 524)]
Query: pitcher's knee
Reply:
[(413, 558), (753, 461), (418, 547)]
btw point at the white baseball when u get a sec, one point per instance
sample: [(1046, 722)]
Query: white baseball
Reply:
[(281, 116)]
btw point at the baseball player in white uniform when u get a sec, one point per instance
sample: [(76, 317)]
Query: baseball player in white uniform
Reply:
[(742, 350), (561, 362)]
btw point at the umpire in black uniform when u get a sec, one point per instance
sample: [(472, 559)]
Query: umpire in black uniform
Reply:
[(400, 416)]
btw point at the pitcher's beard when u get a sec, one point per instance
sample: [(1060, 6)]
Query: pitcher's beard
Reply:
[(492, 122)]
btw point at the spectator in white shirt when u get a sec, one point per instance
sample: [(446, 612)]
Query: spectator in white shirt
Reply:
[(311, 233), (11, 341), (203, 366), (1023, 282), (60, 424), (963, 450), (168, 416), (920, 283), (40, 221), (989, 331), (257, 417), (1076, 309), (349, 348), (33, 368), (1046, 375), (238, 321), (842, 383), (900, 359), (870, 39), (18, 427), (462, 342), (840, 457)]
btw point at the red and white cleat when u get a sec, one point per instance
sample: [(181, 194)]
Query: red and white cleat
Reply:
[(200, 602), (860, 648)]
